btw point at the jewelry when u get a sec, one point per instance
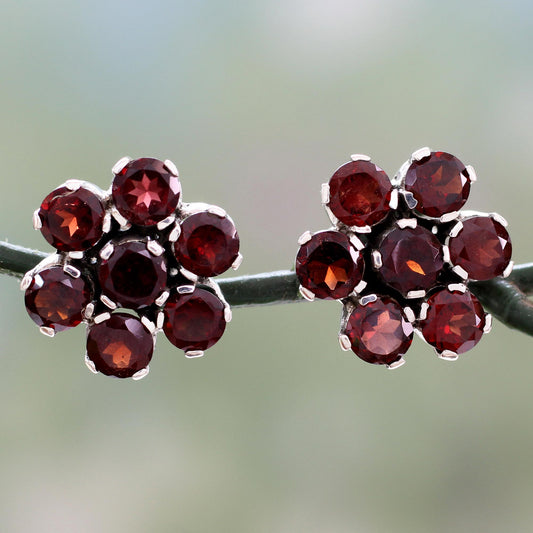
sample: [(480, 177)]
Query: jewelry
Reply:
[(400, 255), (132, 261)]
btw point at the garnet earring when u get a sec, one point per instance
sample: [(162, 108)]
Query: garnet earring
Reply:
[(400, 254), (130, 262)]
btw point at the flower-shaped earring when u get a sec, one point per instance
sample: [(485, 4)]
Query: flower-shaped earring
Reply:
[(400, 254), (130, 262)]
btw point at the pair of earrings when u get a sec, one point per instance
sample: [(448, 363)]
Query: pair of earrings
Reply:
[(136, 260)]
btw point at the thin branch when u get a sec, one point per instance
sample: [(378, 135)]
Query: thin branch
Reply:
[(506, 299)]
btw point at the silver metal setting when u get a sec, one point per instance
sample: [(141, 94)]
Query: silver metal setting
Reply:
[(72, 271), (498, 218), (238, 261), (360, 287), (120, 164), (217, 211), (26, 282), (360, 157), (48, 332), (189, 275), (471, 173), (305, 237), (75, 255), (448, 217), (160, 320), (165, 223), (102, 317), (411, 295), (74, 185), (90, 365), (88, 312), (356, 243), (175, 233), (324, 193), (344, 342), (171, 167), (140, 374), (420, 154), (396, 364), (148, 324), (106, 224), (447, 355), (409, 314), (423, 311), (456, 230), (192, 354), (361, 229), (446, 254), (368, 298), (108, 302), (228, 315), (393, 202), (185, 289), (488, 323), (37, 222), (307, 294), (508, 269), (154, 248), (407, 223), (124, 222), (107, 251), (457, 287), (162, 298), (377, 260), (410, 200), (460, 271)]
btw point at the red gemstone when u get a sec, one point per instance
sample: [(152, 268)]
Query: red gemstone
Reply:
[(360, 193), (71, 220), (56, 300), (145, 191), (379, 332), (454, 321), (329, 266), (439, 183), (411, 259), (482, 248), (120, 346), (132, 277), (194, 321), (208, 244)]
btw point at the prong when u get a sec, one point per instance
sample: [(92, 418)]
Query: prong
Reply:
[(148, 324), (102, 317), (460, 271), (411, 295), (218, 211), (488, 323), (324, 193), (175, 233), (162, 298), (393, 202), (124, 223), (160, 320), (456, 229), (189, 275), (368, 298), (73, 185), (49, 332), (360, 157), (238, 261), (37, 222), (345, 343), (140, 374), (508, 269), (304, 237), (410, 200), (185, 289), (499, 218), (107, 251), (90, 365), (166, 222), (171, 167), (448, 217), (471, 173), (26, 282), (120, 164), (447, 355), (377, 261), (423, 311), (89, 311), (154, 248), (228, 315), (108, 302), (396, 364), (362, 229), (307, 294), (360, 287), (106, 224), (72, 271), (191, 354), (76, 255), (420, 154), (406, 223), (356, 243), (446, 254), (457, 287), (409, 314)]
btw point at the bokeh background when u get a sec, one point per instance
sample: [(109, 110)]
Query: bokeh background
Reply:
[(276, 430)]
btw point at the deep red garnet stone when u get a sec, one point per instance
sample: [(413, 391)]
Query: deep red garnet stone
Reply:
[(454, 321), (120, 346), (329, 266), (439, 183), (482, 248), (145, 191), (194, 321), (360, 193), (56, 300), (132, 277), (208, 244), (411, 259), (378, 331), (71, 220)]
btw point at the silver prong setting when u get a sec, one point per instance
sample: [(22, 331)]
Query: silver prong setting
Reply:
[(488, 323), (120, 164), (171, 167), (420, 154), (407, 223), (37, 222), (447, 355), (396, 364), (193, 354), (412, 295), (508, 269), (324, 193), (140, 374), (360, 157), (90, 365), (238, 261), (154, 248), (344, 342), (377, 260), (46, 331), (304, 238), (107, 251), (307, 294)]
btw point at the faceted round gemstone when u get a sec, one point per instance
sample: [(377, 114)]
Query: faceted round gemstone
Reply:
[(145, 191), (360, 193), (208, 244), (56, 300), (329, 266), (454, 321), (132, 277), (194, 321), (411, 259), (482, 248), (439, 183), (379, 332), (71, 220), (120, 346)]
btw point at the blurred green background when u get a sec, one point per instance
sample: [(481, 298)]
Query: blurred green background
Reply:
[(275, 430)]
